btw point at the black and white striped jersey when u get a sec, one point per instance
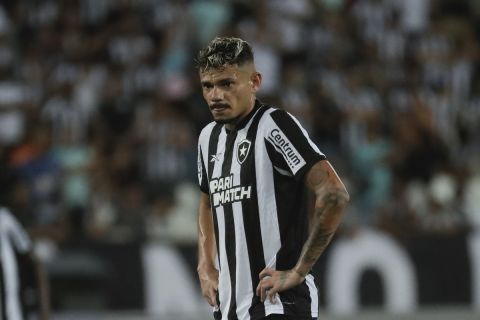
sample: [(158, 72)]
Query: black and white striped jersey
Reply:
[(14, 242), (254, 178)]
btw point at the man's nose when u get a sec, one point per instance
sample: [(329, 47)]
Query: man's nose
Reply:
[(217, 94)]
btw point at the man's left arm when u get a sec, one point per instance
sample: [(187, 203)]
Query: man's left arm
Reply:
[(331, 197)]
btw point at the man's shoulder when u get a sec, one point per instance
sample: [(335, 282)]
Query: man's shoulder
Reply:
[(264, 110), (207, 129), (209, 126), (276, 115), (6, 218), (281, 117), (273, 110), (4, 213), (278, 112), (267, 115)]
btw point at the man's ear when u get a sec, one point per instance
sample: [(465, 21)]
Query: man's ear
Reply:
[(255, 81)]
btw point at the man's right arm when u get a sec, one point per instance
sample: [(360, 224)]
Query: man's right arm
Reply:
[(207, 272)]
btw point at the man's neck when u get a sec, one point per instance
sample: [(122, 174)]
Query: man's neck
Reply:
[(239, 122)]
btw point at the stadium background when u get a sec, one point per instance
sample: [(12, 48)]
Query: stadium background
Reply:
[(100, 109)]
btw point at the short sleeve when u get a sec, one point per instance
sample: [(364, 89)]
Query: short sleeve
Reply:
[(202, 175), (289, 146)]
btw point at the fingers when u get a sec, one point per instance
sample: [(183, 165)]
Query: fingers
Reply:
[(269, 293), (209, 291), (209, 300), (266, 287), (214, 298), (272, 295), (211, 296), (209, 285), (263, 293), (272, 281)]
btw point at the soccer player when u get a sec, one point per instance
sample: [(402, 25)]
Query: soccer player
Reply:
[(23, 284), (255, 162)]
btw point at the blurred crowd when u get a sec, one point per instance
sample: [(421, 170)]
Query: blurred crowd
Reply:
[(100, 108)]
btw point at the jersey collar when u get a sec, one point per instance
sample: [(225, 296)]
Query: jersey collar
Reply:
[(249, 116)]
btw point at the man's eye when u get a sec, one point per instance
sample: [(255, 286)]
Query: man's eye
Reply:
[(207, 86), (227, 84)]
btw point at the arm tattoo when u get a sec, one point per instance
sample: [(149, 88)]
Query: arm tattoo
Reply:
[(329, 205)]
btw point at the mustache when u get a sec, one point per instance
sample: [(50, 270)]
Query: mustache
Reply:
[(219, 105)]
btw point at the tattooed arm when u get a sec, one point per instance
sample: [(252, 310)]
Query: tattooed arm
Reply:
[(331, 198)]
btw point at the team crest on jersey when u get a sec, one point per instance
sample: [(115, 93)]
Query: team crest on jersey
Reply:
[(242, 150)]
